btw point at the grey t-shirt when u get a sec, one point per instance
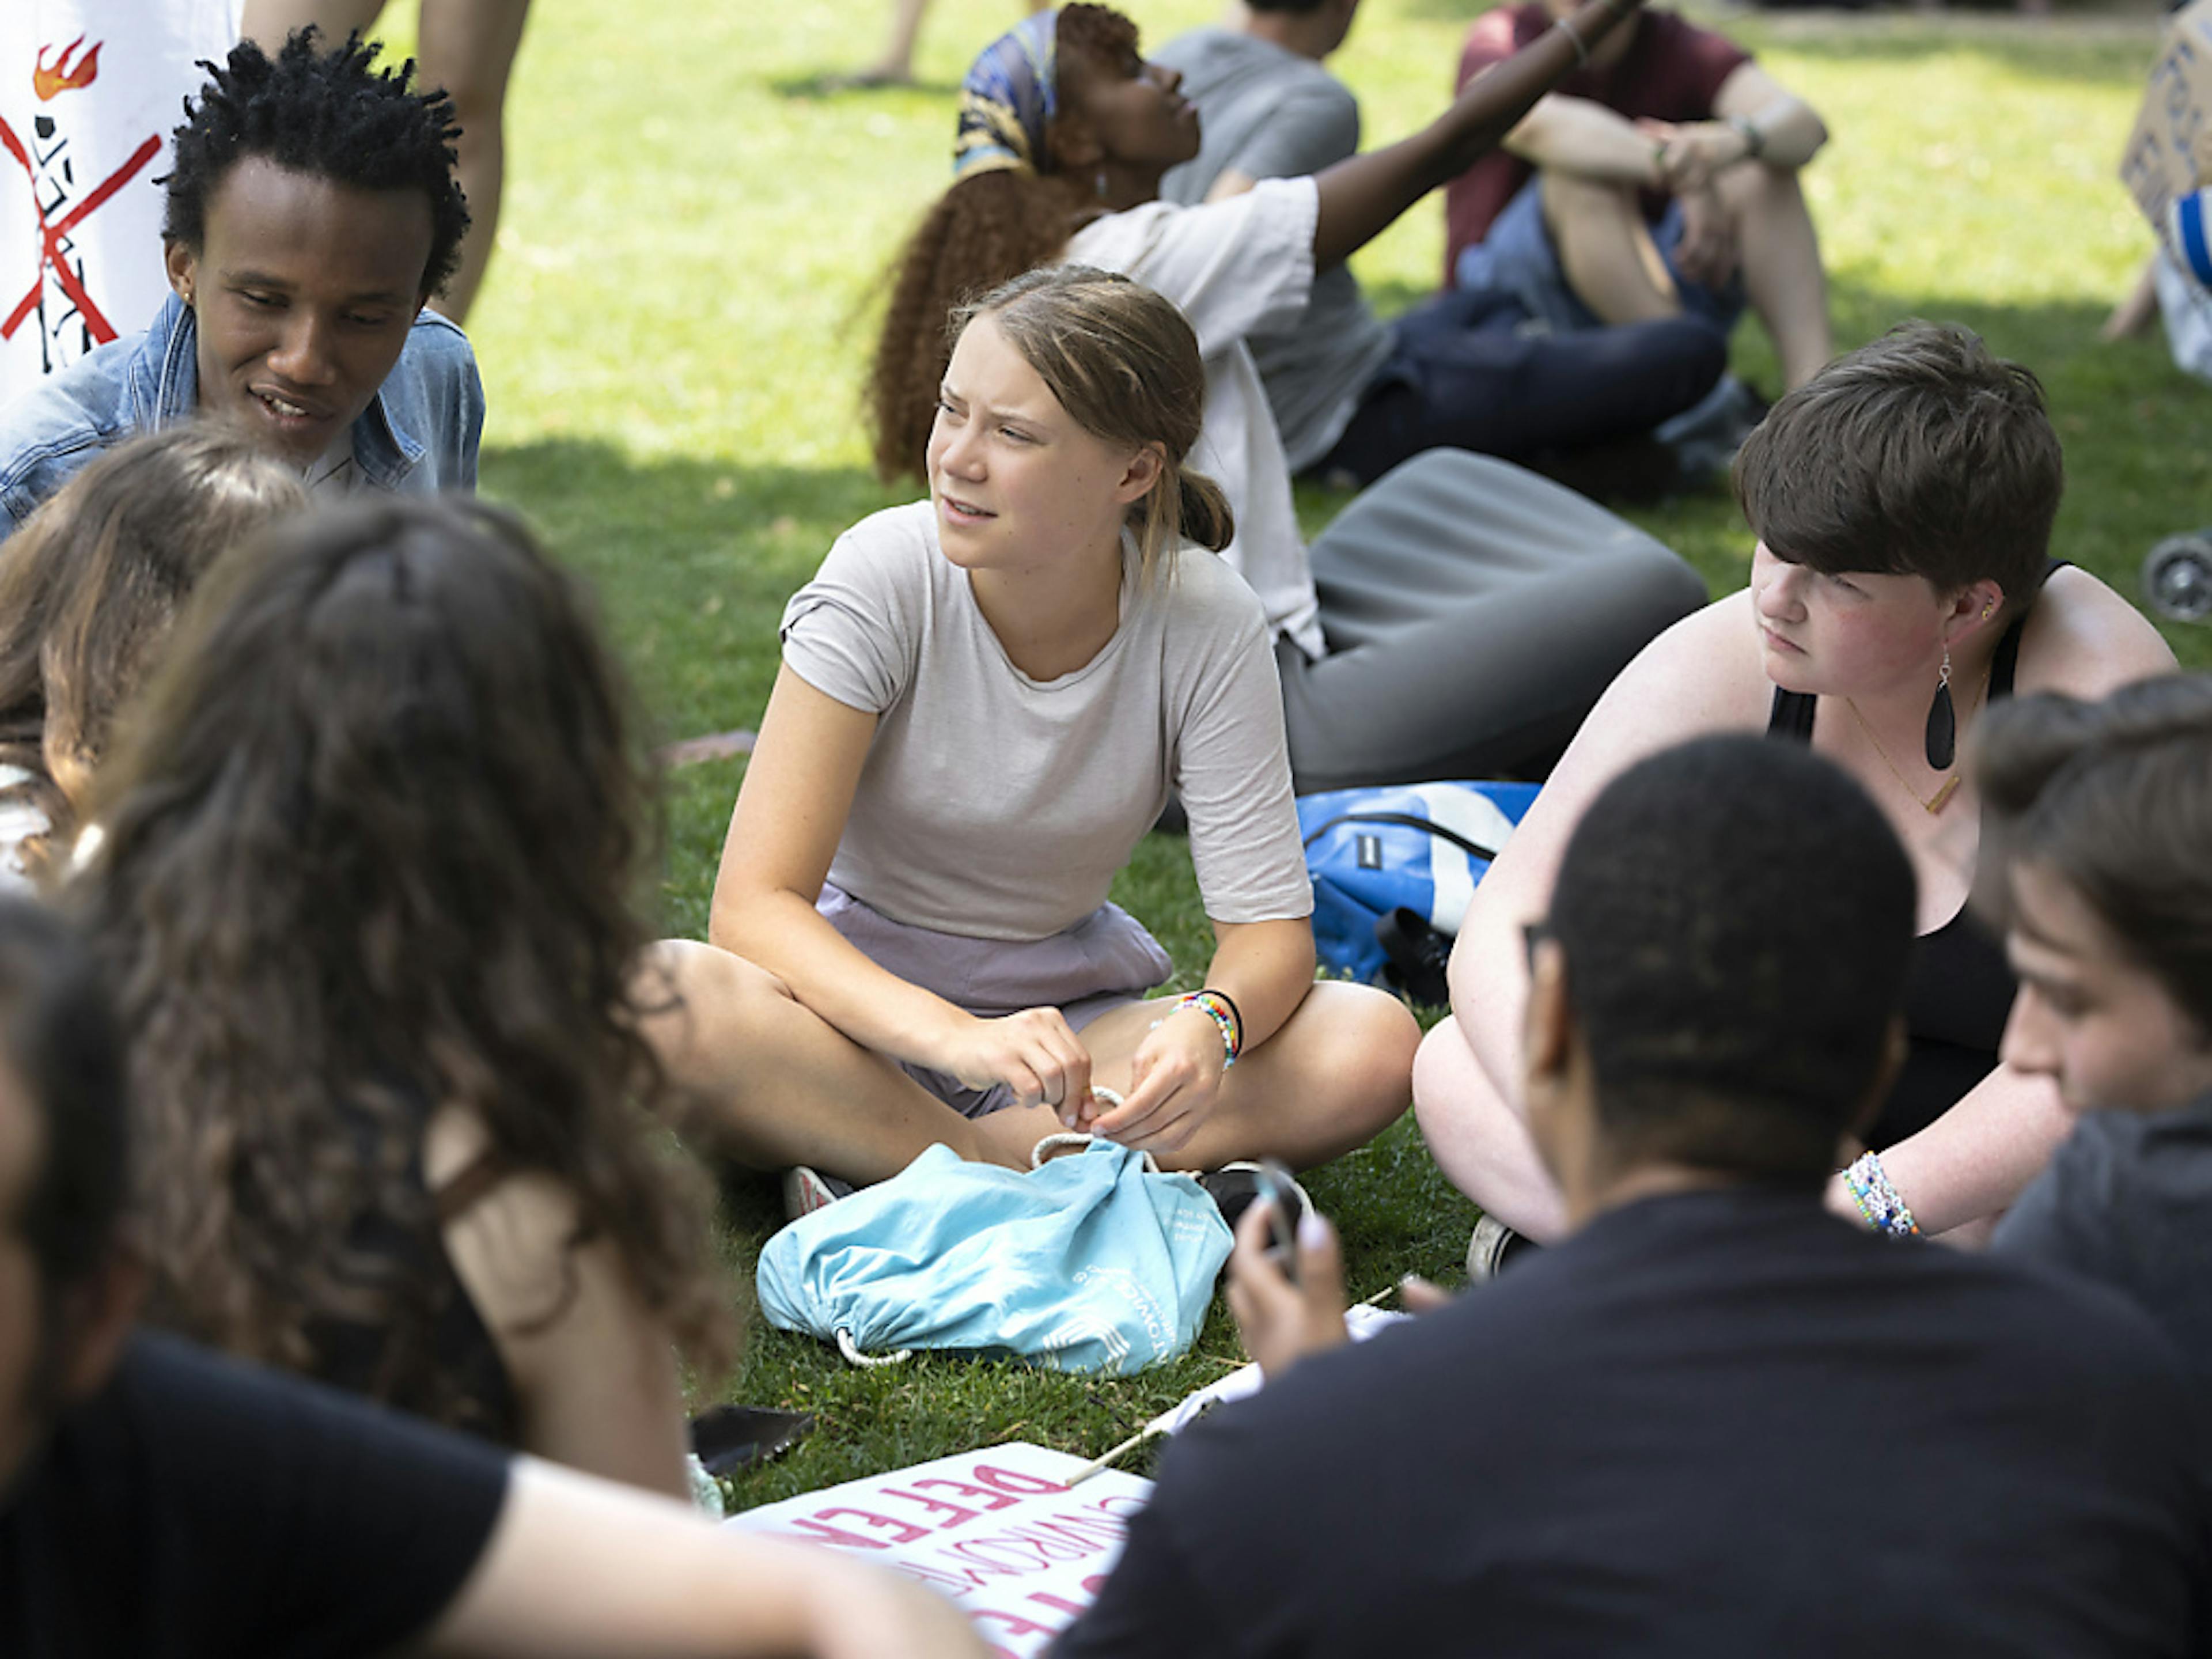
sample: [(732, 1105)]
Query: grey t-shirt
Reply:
[(998, 806), (2127, 1201), (1269, 113)]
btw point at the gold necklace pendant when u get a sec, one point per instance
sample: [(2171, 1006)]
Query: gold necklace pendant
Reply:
[(1931, 804)]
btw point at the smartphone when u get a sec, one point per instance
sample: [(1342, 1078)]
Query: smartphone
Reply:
[(1281, 1196)]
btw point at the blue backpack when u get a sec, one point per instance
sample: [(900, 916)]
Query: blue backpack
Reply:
[(1393, 870)]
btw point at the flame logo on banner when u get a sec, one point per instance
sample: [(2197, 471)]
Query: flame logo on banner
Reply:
[(62, 78)]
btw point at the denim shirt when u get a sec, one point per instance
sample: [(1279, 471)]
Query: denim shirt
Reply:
[(417, 436)]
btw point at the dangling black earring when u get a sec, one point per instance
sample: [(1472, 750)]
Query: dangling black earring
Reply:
[(1942, 721)]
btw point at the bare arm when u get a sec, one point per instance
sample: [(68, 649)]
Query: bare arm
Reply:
[(578, 1569), (594, 1368), (1362, 197), (1977, 1158), (1698, 676), (1756, 118), (790, 814), (1584, 137)]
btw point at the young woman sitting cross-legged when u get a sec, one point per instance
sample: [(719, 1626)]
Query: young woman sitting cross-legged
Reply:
[(985, 699)]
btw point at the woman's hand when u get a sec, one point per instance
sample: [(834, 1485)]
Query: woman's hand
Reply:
[(1281, 1321), (1035, 1053), (1174, 1078)]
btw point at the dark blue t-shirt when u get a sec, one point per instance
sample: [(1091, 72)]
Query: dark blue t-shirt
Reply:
[(197, 1508), (2127, 1201), (1716, 1423)]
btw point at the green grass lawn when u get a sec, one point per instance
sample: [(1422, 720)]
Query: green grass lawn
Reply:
[(672, 336)]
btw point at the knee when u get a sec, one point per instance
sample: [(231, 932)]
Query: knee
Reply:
[(1573, 203), (1364, 1063), (1448, 1080), (693, 994), (1755, 189)]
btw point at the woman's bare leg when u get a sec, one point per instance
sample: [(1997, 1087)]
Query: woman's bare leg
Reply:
[(468, 48), (779, 1085), (1478, 1139)]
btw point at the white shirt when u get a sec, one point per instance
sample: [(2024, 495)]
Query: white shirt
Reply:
[(1234, 268)]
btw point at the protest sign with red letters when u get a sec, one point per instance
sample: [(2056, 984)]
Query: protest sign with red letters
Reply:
[(997, 1531)]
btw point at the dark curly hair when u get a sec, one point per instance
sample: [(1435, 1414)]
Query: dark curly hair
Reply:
[(92, 587), (333, 115), (370, 853), (986, 229)]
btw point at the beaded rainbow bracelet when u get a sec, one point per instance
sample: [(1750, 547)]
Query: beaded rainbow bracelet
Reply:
[(1880, 1205), (1217, 1007)]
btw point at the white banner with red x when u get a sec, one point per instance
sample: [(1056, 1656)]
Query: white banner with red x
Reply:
[(89, 92)]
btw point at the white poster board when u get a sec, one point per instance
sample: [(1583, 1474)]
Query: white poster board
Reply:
[(2169, 153), (996, 1531), (89, 92)]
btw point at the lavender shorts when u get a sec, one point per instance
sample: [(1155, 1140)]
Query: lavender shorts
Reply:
[(1105, 960)]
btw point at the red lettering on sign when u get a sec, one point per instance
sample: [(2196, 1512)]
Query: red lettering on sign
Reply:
[(902, 1532), (989, 1499), (934, 1505), (1013, 1480)]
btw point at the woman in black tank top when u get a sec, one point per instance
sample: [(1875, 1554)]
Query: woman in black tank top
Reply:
[(1960, 989), (1903, 501)]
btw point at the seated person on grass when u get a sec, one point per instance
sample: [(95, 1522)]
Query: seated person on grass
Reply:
[(1491, 657), (1903, 501), (1659, 179), (363, 888), (2104, 812), (1716, 1419), (1353, 395), (88, 595), (312, 215), (985, 699), (155, 1498)]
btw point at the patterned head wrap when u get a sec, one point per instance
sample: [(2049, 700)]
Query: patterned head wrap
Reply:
[(1008, 99)]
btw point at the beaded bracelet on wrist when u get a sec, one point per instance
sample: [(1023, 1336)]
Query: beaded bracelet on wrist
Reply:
[(1879, 1204), (1216, 1007)]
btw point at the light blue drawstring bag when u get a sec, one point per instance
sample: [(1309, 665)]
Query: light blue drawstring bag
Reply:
[(1092, 1263)]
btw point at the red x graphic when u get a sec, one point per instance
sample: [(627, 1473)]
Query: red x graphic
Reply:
[(51, 236)]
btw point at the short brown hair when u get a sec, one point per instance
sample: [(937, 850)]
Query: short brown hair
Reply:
[(1920, 454), (1124, 364), (2115, 798)]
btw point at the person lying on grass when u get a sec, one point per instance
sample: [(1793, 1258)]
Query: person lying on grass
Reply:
[(364, 891), (158, 1498), (1478, 664), (986, 699), (2103, 811), (1902, 502), (312, 215), (88, 595), (1717, 1419)]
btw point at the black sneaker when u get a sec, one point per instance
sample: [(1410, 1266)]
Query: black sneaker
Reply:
[(1234, 1186)]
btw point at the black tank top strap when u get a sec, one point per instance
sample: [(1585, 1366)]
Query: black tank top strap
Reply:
[(2005, 663), (1790, 716)]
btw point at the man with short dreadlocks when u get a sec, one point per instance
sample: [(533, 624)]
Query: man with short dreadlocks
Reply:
[(312, 213)]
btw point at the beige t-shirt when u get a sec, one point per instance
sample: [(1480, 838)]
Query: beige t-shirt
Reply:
[(998, 806)]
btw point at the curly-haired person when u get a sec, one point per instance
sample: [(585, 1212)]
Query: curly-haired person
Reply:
[(363, 893), (313, 212)]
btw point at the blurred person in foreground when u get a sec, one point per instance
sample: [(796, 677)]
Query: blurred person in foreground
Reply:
[(154, 1499), (1717, 1419)]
